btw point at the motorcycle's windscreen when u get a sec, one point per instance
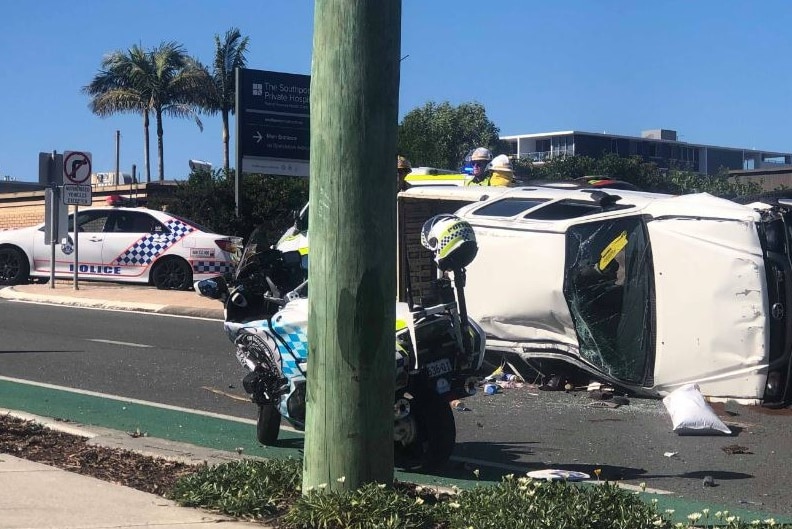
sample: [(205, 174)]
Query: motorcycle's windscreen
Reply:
[(249, 261)]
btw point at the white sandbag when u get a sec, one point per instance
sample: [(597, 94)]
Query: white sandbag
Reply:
[(690, 413)]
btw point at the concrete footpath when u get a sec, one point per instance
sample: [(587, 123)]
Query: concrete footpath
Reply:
[(33, 495)]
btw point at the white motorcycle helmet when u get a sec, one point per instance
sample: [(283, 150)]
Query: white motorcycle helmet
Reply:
[(452, 241)]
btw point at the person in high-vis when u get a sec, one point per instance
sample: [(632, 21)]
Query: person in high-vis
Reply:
[(403, 168), (480, 159), (501, 172)]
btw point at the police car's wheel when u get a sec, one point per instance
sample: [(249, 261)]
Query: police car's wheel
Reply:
[(14, 267), (172, 273)]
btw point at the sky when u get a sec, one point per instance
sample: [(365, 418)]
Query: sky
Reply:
[(716, 71)]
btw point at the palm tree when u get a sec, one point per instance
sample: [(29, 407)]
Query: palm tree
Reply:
[(174, 88), (229, 55), (114, 89), (164, 80)]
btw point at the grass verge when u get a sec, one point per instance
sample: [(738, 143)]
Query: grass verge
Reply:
[(271, 491)]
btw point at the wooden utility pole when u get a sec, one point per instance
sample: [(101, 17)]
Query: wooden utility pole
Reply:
[(352, 275)]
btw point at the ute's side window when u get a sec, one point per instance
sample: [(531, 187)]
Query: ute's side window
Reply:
[(564, 209), (509, 207)]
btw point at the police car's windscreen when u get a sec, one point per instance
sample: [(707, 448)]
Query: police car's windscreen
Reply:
[(509, 207)]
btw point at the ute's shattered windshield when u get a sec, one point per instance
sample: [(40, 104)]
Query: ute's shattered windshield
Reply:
[(609, 287)]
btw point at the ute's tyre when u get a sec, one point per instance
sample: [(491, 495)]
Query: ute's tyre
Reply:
[(435, 434), (172, 273), (14, 266), (268, 424)]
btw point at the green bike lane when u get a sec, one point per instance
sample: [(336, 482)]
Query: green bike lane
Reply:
[(237, 435)]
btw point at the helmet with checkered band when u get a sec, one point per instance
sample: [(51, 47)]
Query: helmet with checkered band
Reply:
[(452, 241)]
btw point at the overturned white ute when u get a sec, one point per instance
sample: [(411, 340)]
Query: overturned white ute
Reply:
[(644, 291)]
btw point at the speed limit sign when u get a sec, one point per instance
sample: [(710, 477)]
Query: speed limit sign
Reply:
[(76, 167)]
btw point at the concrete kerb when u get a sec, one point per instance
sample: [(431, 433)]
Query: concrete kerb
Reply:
[(61, 297)]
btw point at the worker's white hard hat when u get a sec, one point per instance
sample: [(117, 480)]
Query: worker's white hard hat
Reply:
[(501, 164), (482, 153)]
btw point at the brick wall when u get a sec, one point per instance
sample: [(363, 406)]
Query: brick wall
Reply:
[(18, 210), (420, 263)]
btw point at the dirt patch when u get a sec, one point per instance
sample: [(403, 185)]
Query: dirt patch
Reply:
[(32, 441)]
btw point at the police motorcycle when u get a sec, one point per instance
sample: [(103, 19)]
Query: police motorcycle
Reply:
[(438, 348)]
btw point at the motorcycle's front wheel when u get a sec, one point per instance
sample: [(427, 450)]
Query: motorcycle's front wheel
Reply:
[(434, 435), (268, 424)]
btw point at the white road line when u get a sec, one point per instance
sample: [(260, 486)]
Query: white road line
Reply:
[(141, 402), (114, 342)]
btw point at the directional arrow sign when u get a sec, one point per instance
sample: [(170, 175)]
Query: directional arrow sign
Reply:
[(273, 122)]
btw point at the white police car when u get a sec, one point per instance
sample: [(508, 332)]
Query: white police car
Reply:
[(125, 244)]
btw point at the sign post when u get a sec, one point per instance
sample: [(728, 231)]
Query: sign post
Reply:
[(273, 126), (56, 225), (51, 175), (76, 171)]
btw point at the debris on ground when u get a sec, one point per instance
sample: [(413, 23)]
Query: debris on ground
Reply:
[(501, 379), (491, 389), (553, 383), (736, 449), (690, 413), (459, 405), (554, 474), (604, 404)]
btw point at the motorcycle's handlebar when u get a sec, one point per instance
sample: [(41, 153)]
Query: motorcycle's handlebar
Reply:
[(239, 298)]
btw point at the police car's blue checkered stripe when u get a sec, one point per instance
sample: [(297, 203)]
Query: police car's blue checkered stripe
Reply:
[(149, 247), (212, 267)]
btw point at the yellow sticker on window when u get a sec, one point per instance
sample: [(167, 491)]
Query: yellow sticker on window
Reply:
[(612, 249)]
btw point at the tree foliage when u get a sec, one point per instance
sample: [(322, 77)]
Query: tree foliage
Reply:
[(221, 95), (645, 175), (440, 135), (115, 90), (208, 199), (162, 81)]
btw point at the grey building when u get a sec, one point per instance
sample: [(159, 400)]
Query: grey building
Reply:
[(660, 146)]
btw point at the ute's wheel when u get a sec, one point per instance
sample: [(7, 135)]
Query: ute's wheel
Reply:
[(14, 266), (434, 433), (172, 273), (268, 424)]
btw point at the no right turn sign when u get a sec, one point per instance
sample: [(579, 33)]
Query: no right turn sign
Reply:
[(76, 167)]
